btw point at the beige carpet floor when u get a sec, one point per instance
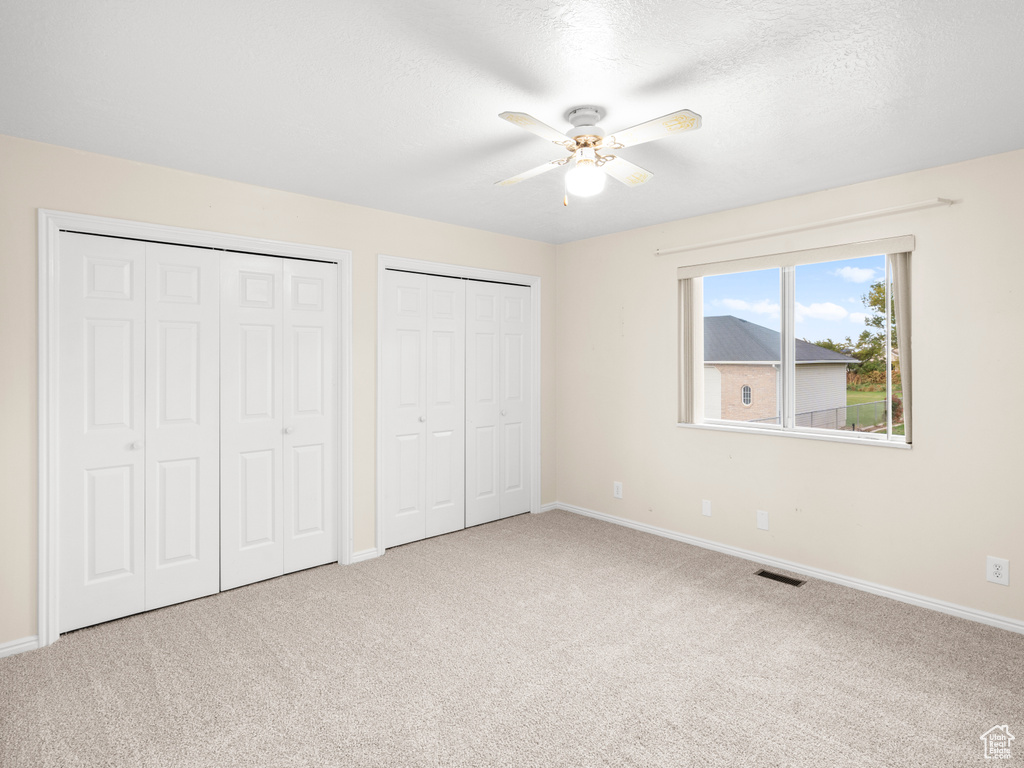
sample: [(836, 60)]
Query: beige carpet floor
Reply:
[(544, 640)]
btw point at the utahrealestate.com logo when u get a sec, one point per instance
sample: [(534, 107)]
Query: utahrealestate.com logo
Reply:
[(997, 742)]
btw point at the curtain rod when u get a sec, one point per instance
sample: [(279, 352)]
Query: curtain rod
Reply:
[(932, 202)]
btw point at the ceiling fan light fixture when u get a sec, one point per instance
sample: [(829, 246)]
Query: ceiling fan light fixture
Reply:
[(584, 179), (586, 175)]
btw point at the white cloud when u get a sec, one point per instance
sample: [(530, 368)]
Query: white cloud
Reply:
[(853, 300), (762, 307), (858, 317), (820, 311), (855, 274)]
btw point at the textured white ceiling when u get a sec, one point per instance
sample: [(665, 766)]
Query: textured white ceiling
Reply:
[(393, 104)]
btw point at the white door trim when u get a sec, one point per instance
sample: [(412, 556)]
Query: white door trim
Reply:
[(50, 224), (385, 262)]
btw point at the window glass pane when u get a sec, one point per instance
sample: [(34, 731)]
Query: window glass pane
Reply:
[(897, 383), (742, 349), (840, 377)]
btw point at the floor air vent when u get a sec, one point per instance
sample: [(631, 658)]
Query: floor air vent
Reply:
[(779, 577)]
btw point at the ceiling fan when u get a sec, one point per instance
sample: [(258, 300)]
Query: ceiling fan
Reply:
[(585, 143)]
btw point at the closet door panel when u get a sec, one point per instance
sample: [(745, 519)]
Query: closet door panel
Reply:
[(445, 406), (456, 400), (516, 444), (182, 424), (310, 384), (483, 392), (404, 407), (102, 407), (252, 422)]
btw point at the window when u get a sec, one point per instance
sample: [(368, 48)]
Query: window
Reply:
[(741, 347), (817, 333)]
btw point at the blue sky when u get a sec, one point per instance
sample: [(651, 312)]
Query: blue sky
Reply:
[(828, 297)]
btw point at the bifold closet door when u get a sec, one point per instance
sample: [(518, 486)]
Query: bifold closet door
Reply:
[(278, 417), (310, 383), (182, 424), (423, 406), (252, 421), (138, 427), (499, 440), (102, 419)]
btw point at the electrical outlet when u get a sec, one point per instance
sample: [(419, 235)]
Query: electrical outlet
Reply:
[(762, 520), (617, 489), (705, 508), (997, 570)]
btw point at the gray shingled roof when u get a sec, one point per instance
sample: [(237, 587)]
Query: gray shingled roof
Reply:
[(729, 339)]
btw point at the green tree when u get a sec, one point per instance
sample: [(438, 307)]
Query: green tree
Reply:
[(870, 347), (874, 300), (844, 347), (864, 350)]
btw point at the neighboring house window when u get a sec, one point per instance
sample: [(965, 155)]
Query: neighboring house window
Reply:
[(819, 334)]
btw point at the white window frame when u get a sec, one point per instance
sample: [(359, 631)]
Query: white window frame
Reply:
[(746, 395), (691, 343)]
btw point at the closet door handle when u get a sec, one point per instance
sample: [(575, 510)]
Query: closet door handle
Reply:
[(289, 430), (137, 445), (503, 411), (423, 418)]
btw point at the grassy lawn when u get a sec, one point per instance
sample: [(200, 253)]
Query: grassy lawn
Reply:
[(854, 397)]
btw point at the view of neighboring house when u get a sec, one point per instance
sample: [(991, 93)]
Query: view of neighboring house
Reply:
[(741, 376)]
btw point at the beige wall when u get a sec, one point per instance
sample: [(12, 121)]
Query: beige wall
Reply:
[(919, 520), (34, 175)]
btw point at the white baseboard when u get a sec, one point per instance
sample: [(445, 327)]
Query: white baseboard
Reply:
[(971, 614), (549, 507), (12, 647), (366, 554)]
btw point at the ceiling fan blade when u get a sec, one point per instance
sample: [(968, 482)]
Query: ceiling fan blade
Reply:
[(622, 170), (536, 127), (531, 173), (659, 128)]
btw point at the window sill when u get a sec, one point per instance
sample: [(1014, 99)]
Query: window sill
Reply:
[(800, 434)]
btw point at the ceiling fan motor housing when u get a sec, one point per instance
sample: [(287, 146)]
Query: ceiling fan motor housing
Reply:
[(584, 121)]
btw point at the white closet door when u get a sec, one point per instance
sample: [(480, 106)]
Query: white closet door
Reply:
[(310, 414), (182, 424), (445, 406), (404, 410), (252, 521), (483, 393), (516, 445), (423, 402), (499, 440), (102, 401)]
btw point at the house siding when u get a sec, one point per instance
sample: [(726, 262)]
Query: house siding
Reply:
[(712, 392), (762, 380), (821, 395)]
